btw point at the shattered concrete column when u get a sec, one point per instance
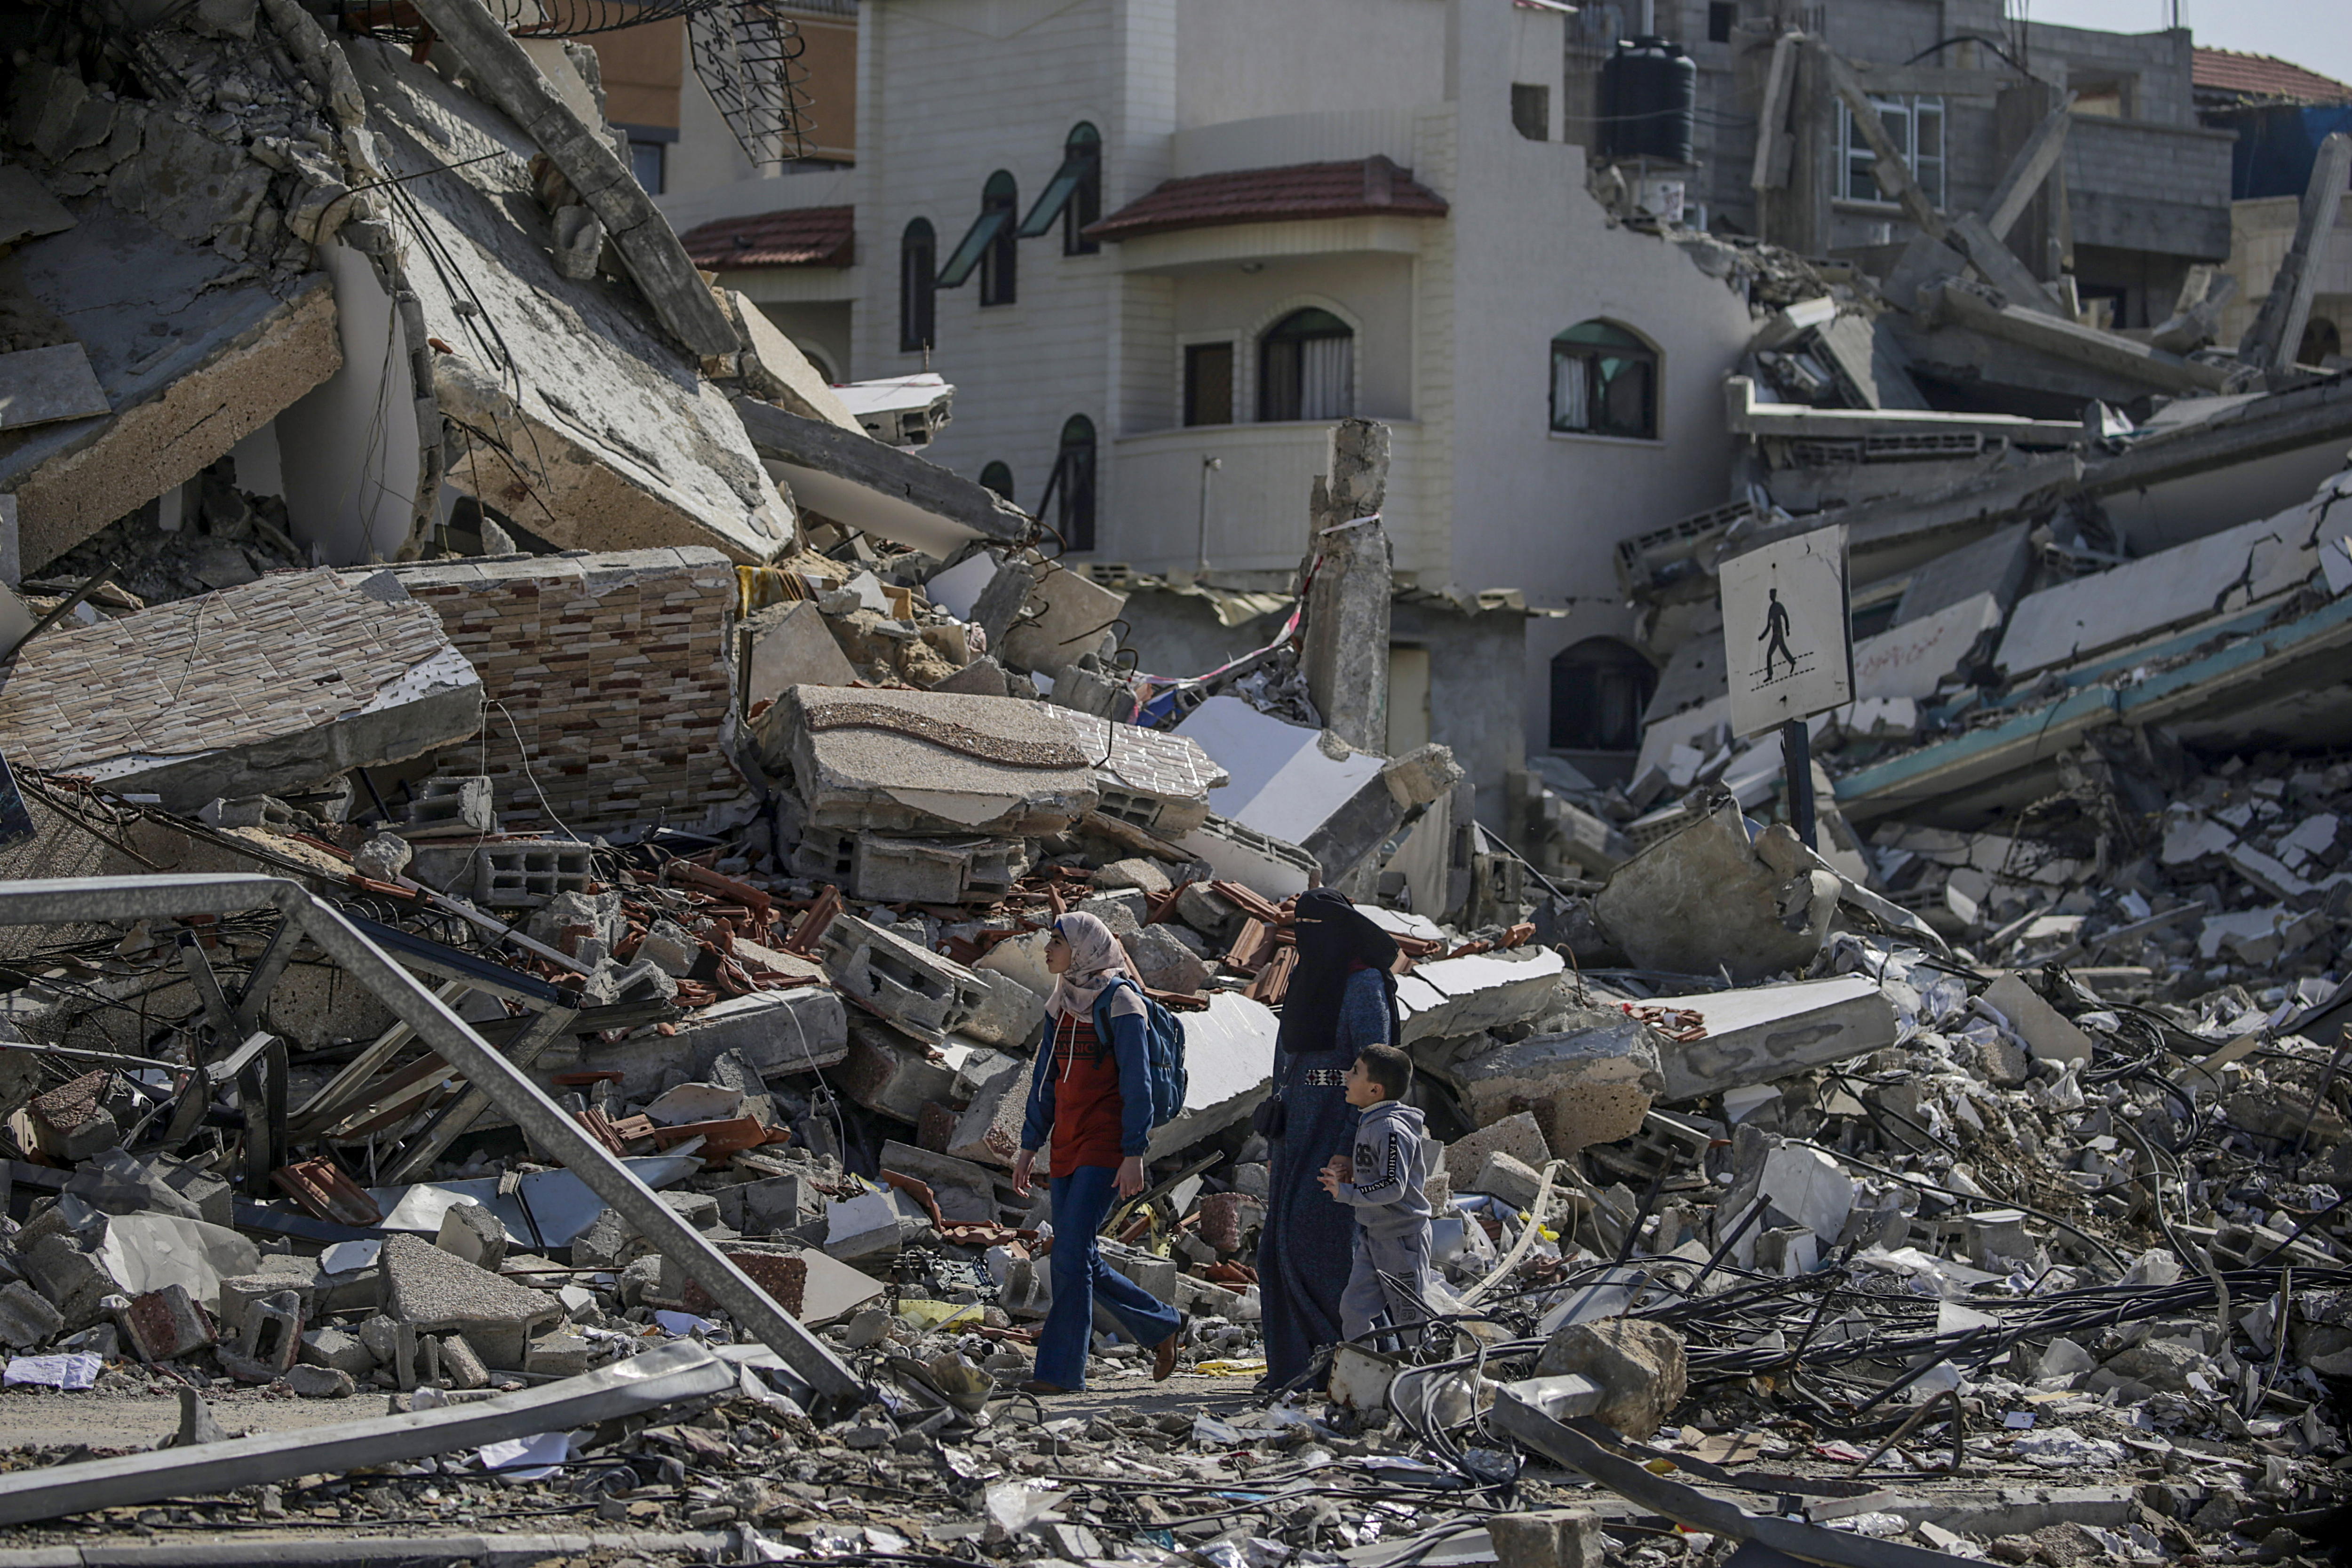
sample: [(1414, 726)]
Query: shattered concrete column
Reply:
[(2270, 344), (1346, 649)]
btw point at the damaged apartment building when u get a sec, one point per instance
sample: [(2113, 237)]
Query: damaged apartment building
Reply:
[(532, 818), (1157, 277)]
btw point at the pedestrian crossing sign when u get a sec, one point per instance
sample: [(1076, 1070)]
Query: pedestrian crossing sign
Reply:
[(1787, 633)]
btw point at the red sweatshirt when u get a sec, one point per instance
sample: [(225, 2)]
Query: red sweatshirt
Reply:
[(1087, 1107)]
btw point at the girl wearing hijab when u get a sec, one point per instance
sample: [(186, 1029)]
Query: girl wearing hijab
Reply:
[(1090, 1089), (1342, 998)]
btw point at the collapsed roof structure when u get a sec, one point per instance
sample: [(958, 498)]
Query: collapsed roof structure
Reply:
[(534, 823)]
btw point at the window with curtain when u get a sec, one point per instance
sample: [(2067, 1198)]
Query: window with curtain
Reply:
[(1069, 498), (918, 267), (1307, 368), (997, 477), (1074, 195), (1914, 123), (1599, 688), (1604, 381)]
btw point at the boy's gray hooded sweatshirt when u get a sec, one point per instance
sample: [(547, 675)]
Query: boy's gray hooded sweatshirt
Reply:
[(1392, 1159)]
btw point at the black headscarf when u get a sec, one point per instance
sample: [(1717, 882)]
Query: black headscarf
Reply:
[(1333, 936)]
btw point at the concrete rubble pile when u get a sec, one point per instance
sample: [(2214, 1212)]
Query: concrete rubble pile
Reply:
[(549, 971)]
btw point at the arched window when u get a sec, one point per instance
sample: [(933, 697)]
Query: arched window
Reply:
[(997, 477), (1307, 368), (1069, 498), (1604, 380), (1074, 194), (1598, 690), (997, 262), (988, 245), (818, 362), (919, 250)]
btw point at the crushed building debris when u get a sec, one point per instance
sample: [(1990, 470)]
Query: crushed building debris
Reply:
[(519, 1000)]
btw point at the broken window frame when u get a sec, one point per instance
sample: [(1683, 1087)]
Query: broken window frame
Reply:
[(988, 246), (917, 297), (1072, 483), (1288, 376), (1597, 700), (1074, 194), (1903, 115), (1586, 361)]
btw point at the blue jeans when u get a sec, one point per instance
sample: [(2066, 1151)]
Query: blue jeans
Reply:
[(1081, 1199)]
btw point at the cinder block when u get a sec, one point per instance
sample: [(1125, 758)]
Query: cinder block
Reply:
[(27, 1317), (166, 1324), (1548, 1538), (270, 1342), (451, 806)]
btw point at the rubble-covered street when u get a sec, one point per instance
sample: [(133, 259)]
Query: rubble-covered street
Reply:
[(533, 823)]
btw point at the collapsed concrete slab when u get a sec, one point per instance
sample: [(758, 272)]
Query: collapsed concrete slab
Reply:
[(1765, 1033), (610, 673), (572, 412), (1913, 659), (796, 1031), (1589, 1083), (2267, 677), (1711, 897), (786, 645), (1270, 866), (1148, 779), (913, 762), (876, 488), (1285, 780), (260, 689), (1455, 996), (1229, 1066), (2089, 616), (191, 350), (1065, 617)]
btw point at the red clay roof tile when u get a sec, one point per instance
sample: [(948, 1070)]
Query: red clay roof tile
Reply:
[(1350, 189), (803, 237), (2266, 76)]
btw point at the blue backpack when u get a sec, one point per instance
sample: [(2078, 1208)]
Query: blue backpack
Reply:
[(1163, 1034)]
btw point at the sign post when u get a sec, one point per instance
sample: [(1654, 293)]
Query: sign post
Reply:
[(1788, 636)]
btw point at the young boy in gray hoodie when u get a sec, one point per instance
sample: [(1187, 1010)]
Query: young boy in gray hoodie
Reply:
[(1383, 1181)]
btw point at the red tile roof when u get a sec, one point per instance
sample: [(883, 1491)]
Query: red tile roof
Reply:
[(804, 236), (2266, 76), (1352, 189)]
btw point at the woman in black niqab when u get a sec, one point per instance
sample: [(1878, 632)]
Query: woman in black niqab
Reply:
[(1341, 998)]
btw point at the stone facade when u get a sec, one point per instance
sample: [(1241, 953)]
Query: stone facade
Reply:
[(611, 670)]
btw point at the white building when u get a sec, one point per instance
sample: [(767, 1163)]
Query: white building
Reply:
[(1140, 235)]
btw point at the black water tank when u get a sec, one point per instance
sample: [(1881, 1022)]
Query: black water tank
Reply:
[(1649, 101)]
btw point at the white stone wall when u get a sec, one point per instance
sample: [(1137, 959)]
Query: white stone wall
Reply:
[(1454, 316)]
